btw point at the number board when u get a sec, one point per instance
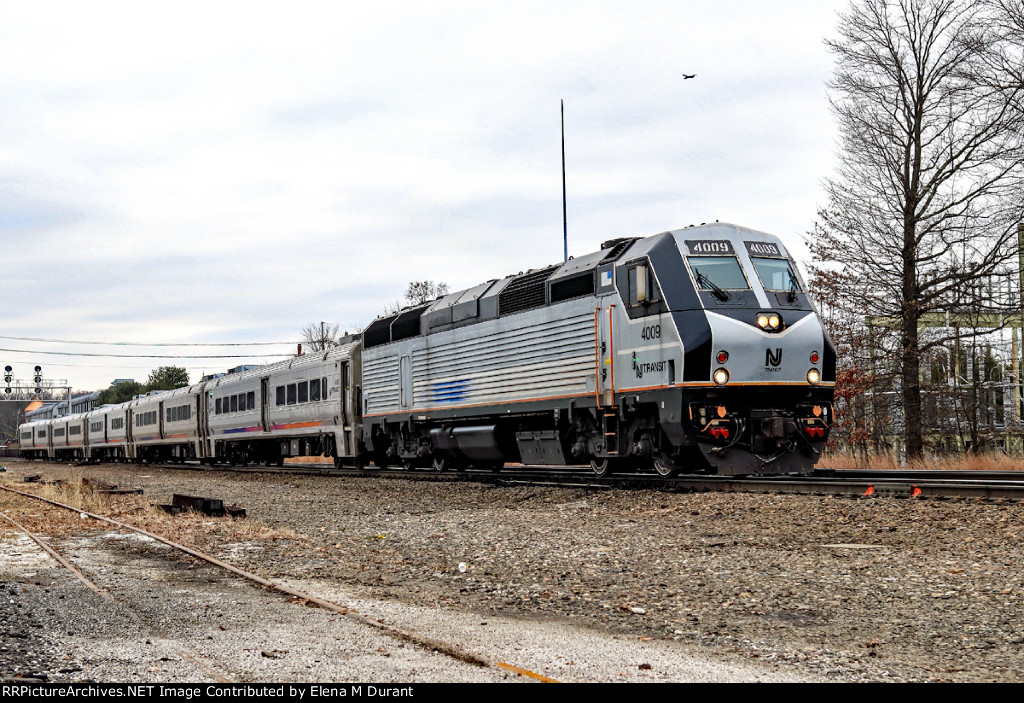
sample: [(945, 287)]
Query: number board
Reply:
[(709, 246), (764, 249)]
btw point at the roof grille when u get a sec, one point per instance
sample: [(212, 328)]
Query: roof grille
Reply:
[(524, 292), (617, 247)]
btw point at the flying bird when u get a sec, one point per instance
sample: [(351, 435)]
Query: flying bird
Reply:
[(691, 75)]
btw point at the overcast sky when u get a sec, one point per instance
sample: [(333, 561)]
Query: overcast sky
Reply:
[(228, 172)]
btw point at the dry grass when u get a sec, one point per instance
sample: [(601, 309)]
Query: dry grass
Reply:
[(964, 462), (191, 529), (309, 460)]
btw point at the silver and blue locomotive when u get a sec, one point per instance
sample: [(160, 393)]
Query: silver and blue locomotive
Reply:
[(695, 350)]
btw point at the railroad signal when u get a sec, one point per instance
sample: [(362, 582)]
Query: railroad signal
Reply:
[(39, 379), (8, 376)]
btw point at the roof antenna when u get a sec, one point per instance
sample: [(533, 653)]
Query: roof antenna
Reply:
[(565, 225)]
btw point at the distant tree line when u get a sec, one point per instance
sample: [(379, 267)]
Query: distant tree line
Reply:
[(165, 378)]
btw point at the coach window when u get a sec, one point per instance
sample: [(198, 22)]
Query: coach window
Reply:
[(250, 400), (291, 394), (234, 403), (314, 390), (304, 392), (280, 395), (323, 385), (218, 407)]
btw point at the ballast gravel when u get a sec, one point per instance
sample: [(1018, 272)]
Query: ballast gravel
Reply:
[(581, 585)]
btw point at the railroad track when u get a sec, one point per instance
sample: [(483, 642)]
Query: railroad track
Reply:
[(451, 650), (824, 481), (852, 482)]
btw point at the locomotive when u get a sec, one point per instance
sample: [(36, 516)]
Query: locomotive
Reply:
[(694, 350)]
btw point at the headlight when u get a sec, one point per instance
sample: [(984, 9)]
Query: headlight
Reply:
[(813, 376), (769, 321), (721, 376)]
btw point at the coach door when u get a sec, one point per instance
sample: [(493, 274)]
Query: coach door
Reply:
[(129, 433), (265, 403), (202, 423), (346, 422)]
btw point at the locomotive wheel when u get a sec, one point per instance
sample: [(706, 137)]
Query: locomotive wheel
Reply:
[(664, 466), (605, 467), (408, 464), (380, 461), (441, 464), (359, 462)]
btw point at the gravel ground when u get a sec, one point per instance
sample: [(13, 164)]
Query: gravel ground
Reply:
[(747, 587)]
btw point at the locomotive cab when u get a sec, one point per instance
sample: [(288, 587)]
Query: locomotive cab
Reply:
[(755, 368)]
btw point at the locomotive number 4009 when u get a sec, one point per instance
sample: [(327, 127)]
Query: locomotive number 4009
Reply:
[(651, 332)]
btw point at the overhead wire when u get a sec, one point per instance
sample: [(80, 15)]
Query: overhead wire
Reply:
[(147, 356), (148, 344)]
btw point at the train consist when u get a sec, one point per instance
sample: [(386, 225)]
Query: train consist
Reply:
[(696, 350)]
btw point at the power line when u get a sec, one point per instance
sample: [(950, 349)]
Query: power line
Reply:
[(148, 356), (117, 366), (149, 344)]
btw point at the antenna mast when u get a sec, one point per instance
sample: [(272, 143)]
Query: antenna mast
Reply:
[(565, 225)]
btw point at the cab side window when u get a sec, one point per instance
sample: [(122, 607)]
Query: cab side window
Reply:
[(643, 289)]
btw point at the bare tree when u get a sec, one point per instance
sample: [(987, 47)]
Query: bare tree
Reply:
[(1007, 22), (417, 293), (924, 198), (420, 292), (318, 336)]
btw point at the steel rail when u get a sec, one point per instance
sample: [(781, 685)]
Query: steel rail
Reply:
[(911, 483), (213, 673), (922, 474), (427, 643)]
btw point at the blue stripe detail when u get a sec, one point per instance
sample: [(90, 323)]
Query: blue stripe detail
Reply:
[(450, 391)]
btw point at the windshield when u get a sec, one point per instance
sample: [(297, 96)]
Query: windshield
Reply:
[(776, 274), (721, 271)]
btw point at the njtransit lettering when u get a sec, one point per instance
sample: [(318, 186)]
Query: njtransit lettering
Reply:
[(649, 367)]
